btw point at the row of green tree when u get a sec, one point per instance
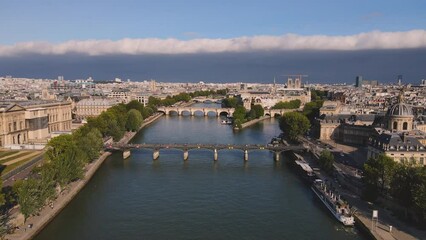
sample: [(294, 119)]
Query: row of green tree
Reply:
[(293, 104), (67, 155), (219, 92), (405, 183), (294, 124), (154, 102), (241, 115)]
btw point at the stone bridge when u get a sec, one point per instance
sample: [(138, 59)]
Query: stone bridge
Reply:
[(217, 111), (207, 100), (193, 110), (277, 112), (276, 149)]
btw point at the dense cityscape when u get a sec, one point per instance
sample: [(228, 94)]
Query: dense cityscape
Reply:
[(370, 137)]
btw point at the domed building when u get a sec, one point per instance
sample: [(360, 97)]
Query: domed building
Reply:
[(404, 143), (400, 117)]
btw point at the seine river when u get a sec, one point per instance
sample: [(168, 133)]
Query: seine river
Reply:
[(139, 198)]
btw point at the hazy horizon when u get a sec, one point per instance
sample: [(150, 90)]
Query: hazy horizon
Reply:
[(256, 66)]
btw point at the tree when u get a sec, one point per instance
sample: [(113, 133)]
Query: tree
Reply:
[(401, 184), (237, 124), (311, 109), (239, 113), (293, 104), (2, 197), (326, 161), (113, 128), (90, 143), (419, 194), (318, 95), (147, 111), (153, 101), (134, 104), (134, 120), (257, 110), (294, 124), (48, 180), (28, 196), (58, 146), (66, 159), (119, 113), (230, 102), (378, 172), (4, 224), (69, 167)]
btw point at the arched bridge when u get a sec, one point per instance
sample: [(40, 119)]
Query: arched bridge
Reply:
[(217, 111), (193, 110), (277, 149)]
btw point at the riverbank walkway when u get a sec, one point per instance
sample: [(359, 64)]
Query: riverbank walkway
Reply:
[(363, 214)]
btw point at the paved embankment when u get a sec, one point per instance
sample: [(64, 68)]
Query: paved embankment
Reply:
[(252, 122), (364, 212), (50, 211)]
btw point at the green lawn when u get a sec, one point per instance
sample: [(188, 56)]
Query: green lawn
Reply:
[(14, 157), (7, 153), (6, 169)]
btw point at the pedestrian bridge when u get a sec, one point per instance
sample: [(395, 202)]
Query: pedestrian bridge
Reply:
[(276, 149)]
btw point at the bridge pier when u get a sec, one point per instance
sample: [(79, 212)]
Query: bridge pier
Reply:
[(215, 154), (277, 156), (126, 154), (185, 155), (246, 155), (155, 154)]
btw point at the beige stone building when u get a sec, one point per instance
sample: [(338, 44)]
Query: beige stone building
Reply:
[(32, 122), (93, 107), (402, 148), (401, 141), (330, 108), (268, 100), (341, 127), (13, 129), (58, 113)]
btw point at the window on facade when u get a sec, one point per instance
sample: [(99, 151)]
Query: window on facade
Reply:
[(401, 160), (14, 126), (405, 126), (422, 161), (395, 125)]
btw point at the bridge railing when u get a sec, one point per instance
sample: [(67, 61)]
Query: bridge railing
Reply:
[(204, 146)]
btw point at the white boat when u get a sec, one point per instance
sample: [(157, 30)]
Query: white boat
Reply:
[(226, 122), (339, 208)]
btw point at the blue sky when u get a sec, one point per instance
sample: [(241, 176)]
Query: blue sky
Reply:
[(58, 21)]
